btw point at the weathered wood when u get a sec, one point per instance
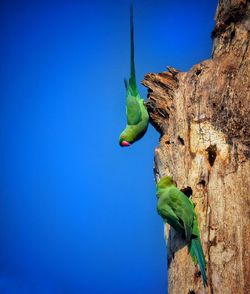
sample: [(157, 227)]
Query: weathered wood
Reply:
[(204, 121)]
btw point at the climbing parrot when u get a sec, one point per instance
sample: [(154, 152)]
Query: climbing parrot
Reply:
[(178, 211), (137, 115)]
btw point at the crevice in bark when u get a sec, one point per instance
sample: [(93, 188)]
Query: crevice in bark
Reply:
[(211, 151), (181, 141), (202, 183), (187, 191), (198, 72)]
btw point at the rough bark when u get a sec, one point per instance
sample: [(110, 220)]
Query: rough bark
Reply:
[(203, 118)]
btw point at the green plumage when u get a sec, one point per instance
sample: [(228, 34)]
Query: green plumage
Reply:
[(136, 112), (178, 211)]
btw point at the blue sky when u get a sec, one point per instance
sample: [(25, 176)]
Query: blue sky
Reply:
[(78, 212)]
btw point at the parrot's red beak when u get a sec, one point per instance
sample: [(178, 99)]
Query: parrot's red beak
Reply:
[(125, 144)]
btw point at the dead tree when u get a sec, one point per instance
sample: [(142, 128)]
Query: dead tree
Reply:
[(204, 121)]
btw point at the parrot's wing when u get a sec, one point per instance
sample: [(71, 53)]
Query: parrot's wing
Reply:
[(188, 225), (168, 214), (196, 231), (133, 110), (183, 209)]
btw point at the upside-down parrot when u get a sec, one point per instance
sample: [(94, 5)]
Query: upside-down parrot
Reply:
[(137, 115), (178, 211)]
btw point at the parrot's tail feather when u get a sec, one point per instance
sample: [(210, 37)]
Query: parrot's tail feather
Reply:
[(197, 255), (132, 79)]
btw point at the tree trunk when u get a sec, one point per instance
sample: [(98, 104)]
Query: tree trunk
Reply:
[(203, 118)]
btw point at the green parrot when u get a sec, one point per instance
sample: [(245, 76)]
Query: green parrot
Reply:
[(178, 211), (137, 115)]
